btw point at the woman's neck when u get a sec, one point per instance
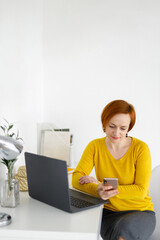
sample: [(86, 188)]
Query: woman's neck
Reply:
[(119, 145), (118, 150)]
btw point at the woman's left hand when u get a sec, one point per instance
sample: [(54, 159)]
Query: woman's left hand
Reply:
[(87, 179)]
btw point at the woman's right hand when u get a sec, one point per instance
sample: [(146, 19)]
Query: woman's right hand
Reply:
[(106, 191)]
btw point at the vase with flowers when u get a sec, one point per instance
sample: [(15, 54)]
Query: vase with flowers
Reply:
[(11, 147)]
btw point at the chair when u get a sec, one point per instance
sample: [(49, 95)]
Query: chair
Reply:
[(154, 191)]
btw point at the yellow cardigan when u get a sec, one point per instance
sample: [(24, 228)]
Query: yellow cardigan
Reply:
[(133, 171)]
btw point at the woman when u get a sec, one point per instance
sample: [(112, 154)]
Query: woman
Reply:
[(129, 215)]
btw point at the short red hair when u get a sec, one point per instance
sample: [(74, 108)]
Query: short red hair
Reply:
[(117, 107)]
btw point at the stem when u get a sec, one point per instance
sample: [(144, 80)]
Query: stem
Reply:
[(10, 179)]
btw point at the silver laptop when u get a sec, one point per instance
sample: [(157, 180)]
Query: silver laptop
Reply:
[(48, 183)]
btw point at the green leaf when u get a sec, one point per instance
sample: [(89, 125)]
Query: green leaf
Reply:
[(5, 164), (11, 135), (10, 126), (9, 163), (3, 129)]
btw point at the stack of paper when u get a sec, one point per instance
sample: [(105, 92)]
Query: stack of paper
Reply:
[(56, 144)]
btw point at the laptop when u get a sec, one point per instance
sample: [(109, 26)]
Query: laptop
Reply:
[(48, 182)]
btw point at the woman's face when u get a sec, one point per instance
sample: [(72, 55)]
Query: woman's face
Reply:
[(117, 127)]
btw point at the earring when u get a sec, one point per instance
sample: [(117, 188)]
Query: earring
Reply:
[(126, 134)]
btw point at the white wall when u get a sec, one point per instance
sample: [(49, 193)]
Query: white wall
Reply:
[(80, 54), (97, 51), (21, 64)]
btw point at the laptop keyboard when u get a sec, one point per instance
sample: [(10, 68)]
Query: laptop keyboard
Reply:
[(79, 203)]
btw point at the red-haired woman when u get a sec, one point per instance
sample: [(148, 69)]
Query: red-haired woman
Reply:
[(129, 215)]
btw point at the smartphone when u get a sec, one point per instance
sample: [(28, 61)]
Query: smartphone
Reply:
[(111, 181)]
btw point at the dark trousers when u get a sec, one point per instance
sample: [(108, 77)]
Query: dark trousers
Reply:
[(130, 225)]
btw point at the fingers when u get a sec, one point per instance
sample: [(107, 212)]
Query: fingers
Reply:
[(83, 180), (106, 187), (108, 194), (106, 191), (87, 179)]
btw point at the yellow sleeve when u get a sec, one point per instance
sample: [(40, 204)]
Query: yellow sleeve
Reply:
[(138, 190), (83, 168)]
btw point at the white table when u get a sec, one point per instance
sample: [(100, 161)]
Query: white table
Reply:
[(36, 220)]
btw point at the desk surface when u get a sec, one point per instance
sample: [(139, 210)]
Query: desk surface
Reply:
[(36, 220)]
